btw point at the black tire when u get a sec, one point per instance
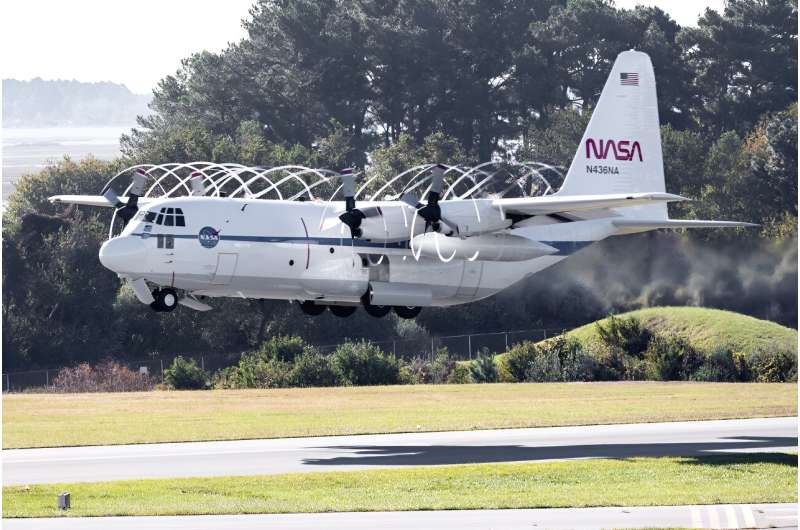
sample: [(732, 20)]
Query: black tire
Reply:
[(377, 311), (166, 300), (407, 312), (310, 308), (343, 311)]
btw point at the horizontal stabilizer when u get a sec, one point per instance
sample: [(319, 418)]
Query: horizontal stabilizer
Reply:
[(90, 200), (552, 204), (645, 224)]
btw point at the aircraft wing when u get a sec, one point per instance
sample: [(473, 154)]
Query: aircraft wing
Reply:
[(90, 200), (677, 223), (554, 204)]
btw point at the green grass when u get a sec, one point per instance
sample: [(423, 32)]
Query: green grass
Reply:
[(49, 420), (706, 328), (746, 478)]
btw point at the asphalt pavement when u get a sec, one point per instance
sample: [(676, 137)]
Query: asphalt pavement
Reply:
[(339, 453)]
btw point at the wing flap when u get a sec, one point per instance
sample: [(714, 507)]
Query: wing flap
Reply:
[(554, 204)]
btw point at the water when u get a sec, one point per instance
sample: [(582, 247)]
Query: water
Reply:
[(29, 150)]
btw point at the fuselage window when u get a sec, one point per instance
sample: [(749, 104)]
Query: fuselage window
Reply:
[(160, 218), (149, 217), (168, 220), (160, 240), (169, 241), (179, 219)]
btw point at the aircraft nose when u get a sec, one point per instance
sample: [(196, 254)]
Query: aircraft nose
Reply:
[(123, 254)]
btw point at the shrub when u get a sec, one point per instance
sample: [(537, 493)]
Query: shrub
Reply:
[(282, 348), (556, 359), (671, 358), (559, 359), (313, 369), (414, 372), (441, 367), (484, 369), (769, 365), (610, 362), (518, 358), (719, 365), (460, 374), (106, 376), (627, 334), (184, 374), (363, 363)]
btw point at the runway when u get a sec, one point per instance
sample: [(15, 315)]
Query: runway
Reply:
[(714, 516), (340, 453)]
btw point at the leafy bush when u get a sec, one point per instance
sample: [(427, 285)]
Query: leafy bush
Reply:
[(627, 334), (556, 359), (441, 367), (184, 374), (671, 358), (559, 359), (460, 374), (414, 372), (610, 362), (106, 376), (313, 369), (271, 366), (720, 365), (282, 348), (363, 363), (484, 369), (769, 365), (519, 358)]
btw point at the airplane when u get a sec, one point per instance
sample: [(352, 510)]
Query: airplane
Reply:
[(397, 255)]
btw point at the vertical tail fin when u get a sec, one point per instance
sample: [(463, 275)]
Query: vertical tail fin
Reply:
[(620, 151)]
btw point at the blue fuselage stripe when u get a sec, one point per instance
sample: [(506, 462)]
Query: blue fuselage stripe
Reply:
[(564, 247)]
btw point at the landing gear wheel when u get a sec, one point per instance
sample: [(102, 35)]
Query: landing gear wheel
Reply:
[(377, 311), (165, 299), (407, 312), (343, 311), (310, 308)]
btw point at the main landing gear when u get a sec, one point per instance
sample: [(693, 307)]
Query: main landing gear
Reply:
[(166, 300), (343, 311)]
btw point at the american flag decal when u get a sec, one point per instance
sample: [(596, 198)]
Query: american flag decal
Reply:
[(629, 79)]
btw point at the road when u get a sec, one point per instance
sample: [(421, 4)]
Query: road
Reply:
[(716, 516), (255, 457)]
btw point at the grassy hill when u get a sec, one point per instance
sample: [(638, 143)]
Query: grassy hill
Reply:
[(706, 328)]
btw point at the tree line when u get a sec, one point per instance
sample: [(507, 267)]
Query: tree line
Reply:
[(384, 85)]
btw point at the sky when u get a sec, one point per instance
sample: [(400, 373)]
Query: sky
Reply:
[(139, 42)]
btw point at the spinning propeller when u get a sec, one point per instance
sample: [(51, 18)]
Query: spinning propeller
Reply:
[(126, 210), (432, 212), (353, 216)]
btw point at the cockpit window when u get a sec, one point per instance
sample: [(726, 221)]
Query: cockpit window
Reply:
[(167, 217)]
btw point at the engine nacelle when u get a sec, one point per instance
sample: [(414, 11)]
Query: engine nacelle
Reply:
[(486, 247)]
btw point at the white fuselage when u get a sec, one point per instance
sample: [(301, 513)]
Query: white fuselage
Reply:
[(291, 250)]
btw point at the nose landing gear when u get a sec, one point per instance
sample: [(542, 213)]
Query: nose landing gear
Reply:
[(166, 300)]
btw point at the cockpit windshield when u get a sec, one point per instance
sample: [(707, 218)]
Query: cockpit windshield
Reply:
[(165, 216)]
